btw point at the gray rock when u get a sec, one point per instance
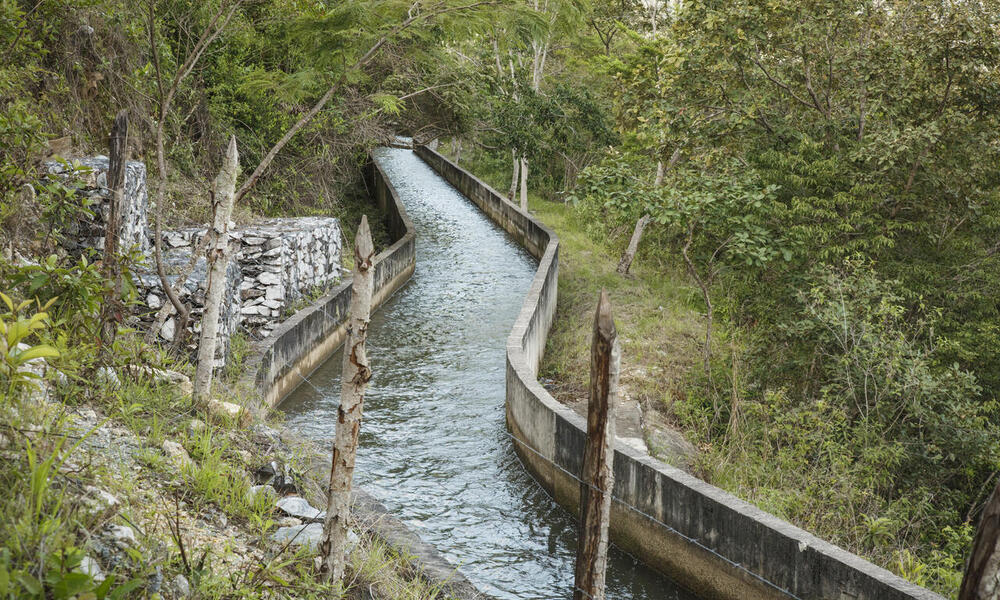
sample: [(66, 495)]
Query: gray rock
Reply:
[(297, 507), (671, 447), (181, 587), (264, 435), (308, 536)]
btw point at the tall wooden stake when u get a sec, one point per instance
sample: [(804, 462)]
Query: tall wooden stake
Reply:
[(218, 261), (982, 574), (598, 475), (111, 312), (354, 381)]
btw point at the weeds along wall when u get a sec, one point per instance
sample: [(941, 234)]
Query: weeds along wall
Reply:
[(282, 361), (702, 537)]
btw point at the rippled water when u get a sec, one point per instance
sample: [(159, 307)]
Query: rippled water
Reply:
[(434, 447)]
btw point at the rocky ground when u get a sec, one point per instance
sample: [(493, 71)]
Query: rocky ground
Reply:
[(153, 499)]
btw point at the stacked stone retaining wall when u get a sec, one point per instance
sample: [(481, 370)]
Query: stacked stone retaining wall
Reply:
[(702, 537)]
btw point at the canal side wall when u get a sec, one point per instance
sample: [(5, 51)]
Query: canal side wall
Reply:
[(707, 540), (283, 360)]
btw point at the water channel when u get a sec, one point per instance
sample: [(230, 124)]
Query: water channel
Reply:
[(434, 448)]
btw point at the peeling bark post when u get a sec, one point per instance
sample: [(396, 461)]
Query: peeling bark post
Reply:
[(982, 573), (111, 312), (218, 261), (524, 184), (598, 474), (515, 173), (354, 381)]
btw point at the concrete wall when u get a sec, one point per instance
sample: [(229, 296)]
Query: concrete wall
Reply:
[(702, 537), (282, 361)]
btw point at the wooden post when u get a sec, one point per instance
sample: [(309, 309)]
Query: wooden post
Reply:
[(111, 312), (598, 475), (218, 261), (354, 380), (982, 574)]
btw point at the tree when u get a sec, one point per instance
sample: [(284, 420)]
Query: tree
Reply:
[(218, 261), (354, 381)]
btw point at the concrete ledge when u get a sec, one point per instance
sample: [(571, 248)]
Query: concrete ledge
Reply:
[(283, 360), (700, 536)]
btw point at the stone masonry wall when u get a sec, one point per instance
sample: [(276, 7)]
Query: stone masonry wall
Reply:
[(93, 184), (274, 263)]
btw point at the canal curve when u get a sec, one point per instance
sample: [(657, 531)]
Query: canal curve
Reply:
[(434, 448)]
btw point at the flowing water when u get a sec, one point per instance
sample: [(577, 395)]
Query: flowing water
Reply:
[(434, 448)]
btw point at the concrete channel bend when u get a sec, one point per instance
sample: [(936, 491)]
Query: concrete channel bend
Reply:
[(435, 449), (455, 354)]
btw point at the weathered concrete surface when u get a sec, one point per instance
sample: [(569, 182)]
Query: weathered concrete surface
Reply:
[(283, 360), (704, 538)]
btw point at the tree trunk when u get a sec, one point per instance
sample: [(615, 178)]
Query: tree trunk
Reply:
[(524, 184), (458, 150), (354, 381), (514, 175), (111, 311), (598, 459), (982, 573), (640, 226), (165, 97), (218, 260), (633, 244)]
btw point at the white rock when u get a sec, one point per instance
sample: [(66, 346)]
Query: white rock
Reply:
[(225, 410), (177, 454), (268, 278), (99, 503), (168, 330), (153, 301), (274, 292), (295, 506), (89, 566), (107, 376), (122, 535)]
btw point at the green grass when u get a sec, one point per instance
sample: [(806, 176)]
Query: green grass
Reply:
[(656, 314)]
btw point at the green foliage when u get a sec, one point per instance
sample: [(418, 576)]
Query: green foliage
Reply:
[(16, 356)]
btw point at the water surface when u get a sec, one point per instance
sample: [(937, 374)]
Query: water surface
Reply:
[(434, 448)]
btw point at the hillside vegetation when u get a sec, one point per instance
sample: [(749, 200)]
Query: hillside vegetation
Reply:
[(810, 189), (818, 183)]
